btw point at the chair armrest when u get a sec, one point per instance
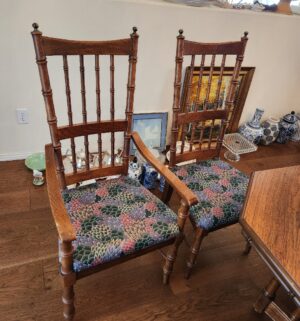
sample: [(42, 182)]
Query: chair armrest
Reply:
[(62, 220), (184, 192)]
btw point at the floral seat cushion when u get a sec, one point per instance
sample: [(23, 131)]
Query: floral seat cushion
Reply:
[(220, 189), (116, 217)]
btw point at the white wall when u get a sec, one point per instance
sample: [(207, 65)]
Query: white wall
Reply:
[(273, 48)]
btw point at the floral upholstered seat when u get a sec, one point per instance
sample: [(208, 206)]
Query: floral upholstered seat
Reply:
[(220, 189), (113, 218)]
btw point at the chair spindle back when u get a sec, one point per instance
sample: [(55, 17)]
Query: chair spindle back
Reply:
[(46, 46), (205, 111)]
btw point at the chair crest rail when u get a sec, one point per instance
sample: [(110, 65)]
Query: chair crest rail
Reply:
[(200, 48), (56, 46)]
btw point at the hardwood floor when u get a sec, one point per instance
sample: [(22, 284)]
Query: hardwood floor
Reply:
[(223, 286)]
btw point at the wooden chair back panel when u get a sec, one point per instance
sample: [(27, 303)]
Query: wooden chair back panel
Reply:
[(202, 120), (89, 128), (196, 48), (46, 46), (60, 47)]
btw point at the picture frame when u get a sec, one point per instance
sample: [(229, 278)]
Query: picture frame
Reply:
[(152, 127), (245, 79)]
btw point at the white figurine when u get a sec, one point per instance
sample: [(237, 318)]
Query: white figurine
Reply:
[(134, 169)]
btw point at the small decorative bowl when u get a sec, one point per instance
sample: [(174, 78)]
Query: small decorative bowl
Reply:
[(36, 161)]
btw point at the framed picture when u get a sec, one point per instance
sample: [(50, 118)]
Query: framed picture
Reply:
[(152, 128), (244, 82)]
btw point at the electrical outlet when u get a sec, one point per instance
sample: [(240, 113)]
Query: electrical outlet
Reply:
[(22, 116)]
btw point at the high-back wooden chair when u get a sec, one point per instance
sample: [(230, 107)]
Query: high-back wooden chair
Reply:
[(203, 109), (108, 222)]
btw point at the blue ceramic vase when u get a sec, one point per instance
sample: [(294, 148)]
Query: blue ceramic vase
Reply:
[(252, 130), (149, 176)]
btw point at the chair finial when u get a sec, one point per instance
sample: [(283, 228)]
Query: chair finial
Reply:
[(134, 29), (180, 32), (35, 26), (246, 34)]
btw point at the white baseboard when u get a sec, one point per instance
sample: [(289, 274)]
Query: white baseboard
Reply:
[(14, 156)]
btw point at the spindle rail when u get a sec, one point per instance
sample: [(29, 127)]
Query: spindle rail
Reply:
[(206, 115)]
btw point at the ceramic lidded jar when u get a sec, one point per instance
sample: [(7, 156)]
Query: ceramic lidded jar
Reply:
[(252, 130), (287, 128), (296, 136), (270, 130)]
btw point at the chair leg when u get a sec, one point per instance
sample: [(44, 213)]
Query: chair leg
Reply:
[(170, 259), (167, 193), (171, 256), (69, 279), (200, 234), (68, 302)]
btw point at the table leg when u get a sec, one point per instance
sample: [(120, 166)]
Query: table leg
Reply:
[(248, 245), (267, 296)]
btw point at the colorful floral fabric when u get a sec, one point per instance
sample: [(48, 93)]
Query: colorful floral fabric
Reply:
[(113, 218), (220, 189)]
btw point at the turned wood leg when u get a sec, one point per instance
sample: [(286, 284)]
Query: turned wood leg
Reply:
[(68, 303), (171, 256), (267, 296), (170, 259), (167, 193), (199, 235), (68, 278)]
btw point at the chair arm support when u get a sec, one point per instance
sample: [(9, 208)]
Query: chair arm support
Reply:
[(184, 192), (62, 220)]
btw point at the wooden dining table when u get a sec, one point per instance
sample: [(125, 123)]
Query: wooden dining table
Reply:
[(271, 224)]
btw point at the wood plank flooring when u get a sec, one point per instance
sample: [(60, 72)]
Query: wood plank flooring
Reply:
[(223, 286)]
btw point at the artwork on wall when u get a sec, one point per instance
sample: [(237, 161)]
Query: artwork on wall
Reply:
[(235, 111), (152, 128)]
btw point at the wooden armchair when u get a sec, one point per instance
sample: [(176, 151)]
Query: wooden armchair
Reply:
[(219, 187), (111, 221)]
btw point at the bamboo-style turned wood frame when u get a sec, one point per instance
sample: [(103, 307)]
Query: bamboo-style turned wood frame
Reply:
[(46, 46), (184, 116), (57, 179), (245, 79)]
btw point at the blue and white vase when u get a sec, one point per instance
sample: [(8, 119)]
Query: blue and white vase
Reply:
[(296, 136), (270, 130), (287, 128), (149, 176), (252, 130)]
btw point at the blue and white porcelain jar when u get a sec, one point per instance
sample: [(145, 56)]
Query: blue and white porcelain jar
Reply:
[(252, 130), (296, 136), (149, 176), (287, 128), (270, 130)]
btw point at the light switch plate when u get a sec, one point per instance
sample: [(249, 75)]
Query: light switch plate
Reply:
[(22, 115)]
